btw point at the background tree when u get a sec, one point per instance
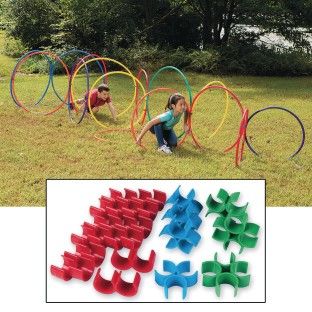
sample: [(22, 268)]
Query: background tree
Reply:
[(3, 17), (96, 24), (192, 24), (31, 21), (172, 24), (219, 19), (215, 35)]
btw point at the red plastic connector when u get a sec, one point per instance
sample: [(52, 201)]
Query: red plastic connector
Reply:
[(90, 229), (114, 193), (129, 212), (107, 202), (85, 247), (133, 261), (112, 242), (94, 211), (62, 273), (144, 194), (80, 266), (128, 289), (130, 243), (122, 203), (124, 288), (105, 286), (123, 263), (129, 194), (144, 266), (136, 232), (136, 203), (153, 205), (159, 195)]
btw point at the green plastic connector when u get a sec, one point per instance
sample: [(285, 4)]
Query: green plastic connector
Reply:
[(232, 222), (225, 205), (234, 273), (246, 239)]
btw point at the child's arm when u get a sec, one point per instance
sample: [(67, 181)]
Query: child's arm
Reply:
[(73, 105), (186, 117), (148, 126), (80, 101), (112, 110)]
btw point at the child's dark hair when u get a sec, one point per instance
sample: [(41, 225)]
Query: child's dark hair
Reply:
[(174, 99), (103, 87)]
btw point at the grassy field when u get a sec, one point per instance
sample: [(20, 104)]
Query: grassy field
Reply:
[(34, 147)]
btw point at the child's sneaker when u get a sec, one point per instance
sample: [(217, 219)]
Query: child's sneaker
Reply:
[(165, 149)]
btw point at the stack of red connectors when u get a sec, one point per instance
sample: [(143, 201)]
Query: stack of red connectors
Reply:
[(119, 222)]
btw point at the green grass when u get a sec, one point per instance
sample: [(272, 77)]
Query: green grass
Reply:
[(35, 147)]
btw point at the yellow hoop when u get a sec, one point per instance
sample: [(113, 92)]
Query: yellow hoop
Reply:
[(106, 75), (227, 102), (109, 60)]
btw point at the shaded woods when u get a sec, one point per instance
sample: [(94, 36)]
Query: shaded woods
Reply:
[(215, 36)]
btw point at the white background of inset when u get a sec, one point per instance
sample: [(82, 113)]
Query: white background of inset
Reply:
[(68, 207)]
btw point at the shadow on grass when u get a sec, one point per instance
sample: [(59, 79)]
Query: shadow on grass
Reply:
[(109, 121), (190, 150), (184, 151), (262, 166)]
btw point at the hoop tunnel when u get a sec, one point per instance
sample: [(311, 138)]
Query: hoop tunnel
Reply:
[(252, 149)]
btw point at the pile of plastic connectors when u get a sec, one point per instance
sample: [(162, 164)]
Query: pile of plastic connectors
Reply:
[(125, 219), (232, 223), (119, 222), (185, 221)]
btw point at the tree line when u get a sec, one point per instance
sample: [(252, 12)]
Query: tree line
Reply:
[(192, 24), (221, 33)]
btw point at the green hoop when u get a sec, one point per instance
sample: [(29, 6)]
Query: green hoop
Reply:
[(150, 86)]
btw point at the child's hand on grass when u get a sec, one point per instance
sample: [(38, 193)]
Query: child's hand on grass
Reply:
[(186, 128), (139, 141)]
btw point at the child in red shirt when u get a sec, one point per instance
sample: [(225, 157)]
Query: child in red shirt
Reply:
[(99, 97)]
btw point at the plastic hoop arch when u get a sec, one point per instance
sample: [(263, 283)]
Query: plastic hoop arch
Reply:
[(139, 103), (134, 114), (191, 132), (139, 76), (252, 149), (105, 75), (83, 61), (109, 74), (187, 85), (227, 102), (101, 65), (87, 55), (72, 102), (25, 57), (19, 62), (239, 144)]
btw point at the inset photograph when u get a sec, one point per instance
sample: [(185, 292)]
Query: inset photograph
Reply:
[(156, 241)]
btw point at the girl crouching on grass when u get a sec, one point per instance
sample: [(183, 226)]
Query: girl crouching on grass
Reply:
[(162, 125)]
